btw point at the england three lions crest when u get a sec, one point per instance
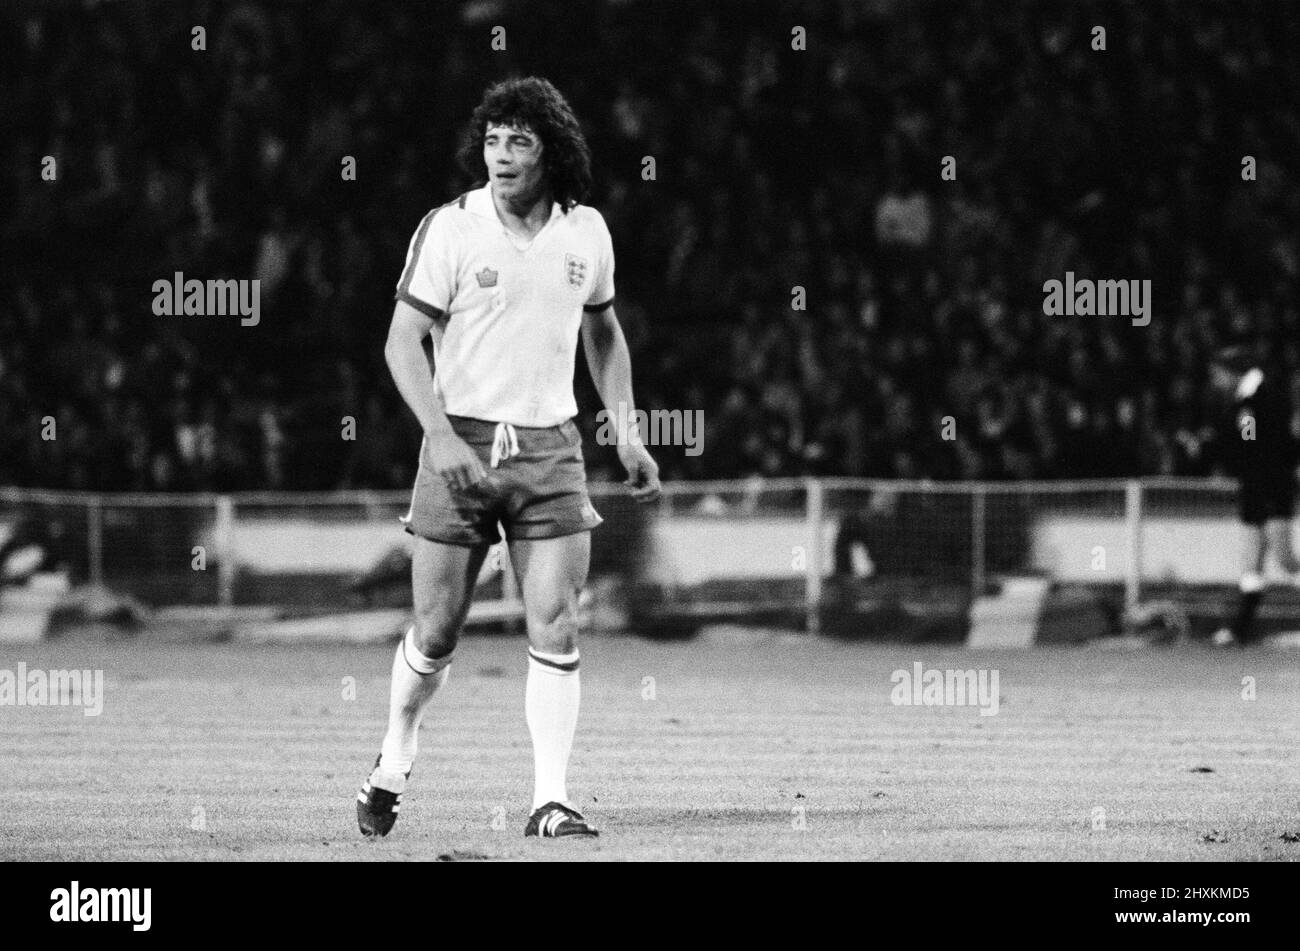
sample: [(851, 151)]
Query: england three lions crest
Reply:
[(575, 269)]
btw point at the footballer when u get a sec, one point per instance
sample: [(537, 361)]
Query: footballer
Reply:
[(1264, 452), (502, 281)]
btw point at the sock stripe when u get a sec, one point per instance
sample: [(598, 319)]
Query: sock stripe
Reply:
[(428, 665), (554, 661)]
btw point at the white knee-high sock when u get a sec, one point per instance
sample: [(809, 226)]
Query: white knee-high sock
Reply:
[(416, 679), (551, 701)]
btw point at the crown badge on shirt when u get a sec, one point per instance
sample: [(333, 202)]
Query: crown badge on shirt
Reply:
[(576, 269), (487, 277)]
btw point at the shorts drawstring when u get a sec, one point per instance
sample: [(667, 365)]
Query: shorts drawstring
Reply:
[(505, 444)]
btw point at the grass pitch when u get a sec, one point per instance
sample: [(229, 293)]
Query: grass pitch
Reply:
[(774, 748)]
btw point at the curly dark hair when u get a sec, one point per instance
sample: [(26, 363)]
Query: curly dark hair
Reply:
[(533, 103)]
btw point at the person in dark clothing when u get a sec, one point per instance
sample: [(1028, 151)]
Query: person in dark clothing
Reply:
[(1263, 452), (36, 544), (904, 533)]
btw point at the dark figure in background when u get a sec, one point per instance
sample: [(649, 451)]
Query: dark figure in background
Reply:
[(864, 529), (1263, 453), (38, 544), (905, 532)]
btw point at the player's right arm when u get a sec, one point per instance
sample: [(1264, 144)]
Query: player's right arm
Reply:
[(454, 460)]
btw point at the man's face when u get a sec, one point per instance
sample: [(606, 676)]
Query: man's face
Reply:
[(513, 158)]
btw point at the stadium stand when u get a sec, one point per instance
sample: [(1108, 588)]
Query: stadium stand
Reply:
[(924, 296)]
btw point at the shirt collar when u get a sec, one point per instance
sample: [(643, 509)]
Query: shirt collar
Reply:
[(479, 202), (1250, 382)]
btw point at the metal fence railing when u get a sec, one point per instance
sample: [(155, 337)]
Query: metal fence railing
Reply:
[(785, 537)]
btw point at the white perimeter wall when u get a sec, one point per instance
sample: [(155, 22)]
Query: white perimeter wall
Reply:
[(689, 550)]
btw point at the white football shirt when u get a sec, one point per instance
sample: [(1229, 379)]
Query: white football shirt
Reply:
[(511, 315)]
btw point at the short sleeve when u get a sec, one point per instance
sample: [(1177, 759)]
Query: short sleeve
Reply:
[(602, 289), (429, 278)]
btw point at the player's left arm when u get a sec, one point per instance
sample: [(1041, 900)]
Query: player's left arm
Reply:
[(610, 363)]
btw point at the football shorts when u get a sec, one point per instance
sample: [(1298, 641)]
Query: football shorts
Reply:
[(537, 488)]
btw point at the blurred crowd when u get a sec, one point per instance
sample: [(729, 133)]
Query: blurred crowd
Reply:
[(917, 347)]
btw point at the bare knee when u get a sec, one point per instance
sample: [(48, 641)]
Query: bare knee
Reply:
[(436, 630), (553, 625)]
